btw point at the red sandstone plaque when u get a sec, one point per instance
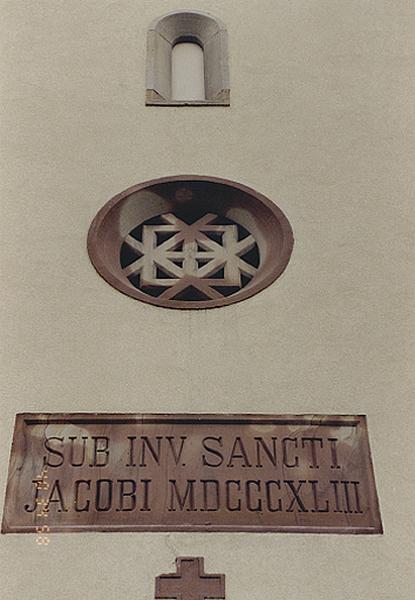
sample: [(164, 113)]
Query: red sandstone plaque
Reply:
[(133, 472)]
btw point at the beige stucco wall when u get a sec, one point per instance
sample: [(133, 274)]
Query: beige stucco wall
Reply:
[(322, 122)]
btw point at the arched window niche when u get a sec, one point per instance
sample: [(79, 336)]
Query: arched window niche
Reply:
[(196, 28)]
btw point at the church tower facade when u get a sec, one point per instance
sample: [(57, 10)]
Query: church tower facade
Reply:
[(300, 133)]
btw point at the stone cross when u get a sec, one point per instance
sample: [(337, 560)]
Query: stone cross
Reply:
[(190, 582)]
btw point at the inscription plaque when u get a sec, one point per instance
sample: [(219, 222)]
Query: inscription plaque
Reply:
[(143, 472)]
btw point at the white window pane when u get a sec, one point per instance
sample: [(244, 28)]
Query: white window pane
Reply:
[(188, 74)]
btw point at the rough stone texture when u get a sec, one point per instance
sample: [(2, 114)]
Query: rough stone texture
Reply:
[(322, 121)]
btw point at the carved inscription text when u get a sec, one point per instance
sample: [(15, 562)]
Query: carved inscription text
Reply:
[(194, 472)]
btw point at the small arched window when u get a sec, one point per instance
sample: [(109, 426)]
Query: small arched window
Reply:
[(187, 60), (187, 72)]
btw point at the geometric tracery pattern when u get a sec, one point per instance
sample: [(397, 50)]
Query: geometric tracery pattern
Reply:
[(173, 259)]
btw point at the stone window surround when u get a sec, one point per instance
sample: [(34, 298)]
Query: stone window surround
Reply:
[(187, 26), (260, 216)]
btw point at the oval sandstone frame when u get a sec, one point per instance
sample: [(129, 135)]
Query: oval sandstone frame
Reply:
[(259, 215)]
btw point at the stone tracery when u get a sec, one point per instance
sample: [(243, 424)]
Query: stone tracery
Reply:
[(208, 258)]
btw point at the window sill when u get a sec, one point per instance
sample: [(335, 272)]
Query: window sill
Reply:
[(154, 99), (186, 103)]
